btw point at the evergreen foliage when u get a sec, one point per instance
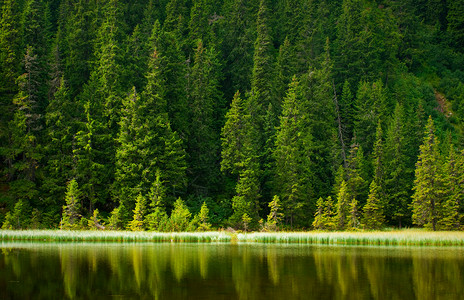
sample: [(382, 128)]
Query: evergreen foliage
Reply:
[(231, 103), (70, 217)]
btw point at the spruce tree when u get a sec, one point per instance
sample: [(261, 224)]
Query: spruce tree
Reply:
[(353, 222), (453, 180), (274, 217), (343, 201), (294, 144), (397, 173), (180, 216), (427, 199), (373, 216), (70, 217), (204, 99), (61, 126), (138, 221), (319, 221)]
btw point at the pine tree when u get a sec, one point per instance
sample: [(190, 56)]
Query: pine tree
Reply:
[(274, 217), (16, 219), (343, 201), (138, 221), (263, 72), (293, 149), (353, 222), (397, 173), (205, 99), (318, 92), (61, 126), (180, 216), (239, 36), (373, 216), (319, 221), (70, 217), (428, 184), (355, 173), (347, 111), (156, 198), (9, 57), (173, 73), (453, 180), (240, 158), (203, 218)]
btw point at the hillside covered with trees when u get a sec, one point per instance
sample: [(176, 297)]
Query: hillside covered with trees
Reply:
[(187, 114)]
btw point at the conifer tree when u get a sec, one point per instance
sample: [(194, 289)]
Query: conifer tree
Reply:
[(397, 173), (454, 195), (263, 72), (16, 218), (239, 36), (373, 216), (203, 218), (70, 216), (172, 72), (353, 222), (318, 92), (285, 69), (9, 57), (138, 221), (205, 99), (293, 149), (60, 119), (319, 221), (428, 184), (180, 216), (329, 216), (347, 111), (343, 201), (355, 173), (156, 198), (274, 217), (239, 157)]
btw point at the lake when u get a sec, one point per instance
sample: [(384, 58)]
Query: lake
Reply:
[(227, 271)]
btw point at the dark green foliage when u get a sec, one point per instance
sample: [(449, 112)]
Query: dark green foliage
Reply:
[(180, 216), (205, 99), (397, 170), (70, 217), (130, 98), (294, 145), (429, 182), (373, 217)]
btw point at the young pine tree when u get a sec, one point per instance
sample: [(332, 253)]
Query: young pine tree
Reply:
[(138, 221), (343, 201), (70, 217), (428, 184), (373, 217), (274, 217), (293, 167)]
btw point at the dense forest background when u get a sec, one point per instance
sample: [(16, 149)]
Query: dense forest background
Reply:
[(327, 114)]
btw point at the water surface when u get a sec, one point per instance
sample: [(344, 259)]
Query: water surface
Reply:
[(227, 271)]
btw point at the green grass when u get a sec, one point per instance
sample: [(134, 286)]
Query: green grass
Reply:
[(409, 237)]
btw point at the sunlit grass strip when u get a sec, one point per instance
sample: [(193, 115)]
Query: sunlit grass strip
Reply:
[(380, 238), (112, 236)]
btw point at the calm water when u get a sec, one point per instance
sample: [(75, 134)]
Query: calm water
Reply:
[(225, 271)]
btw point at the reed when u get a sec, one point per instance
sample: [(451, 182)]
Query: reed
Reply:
[(409, 237)]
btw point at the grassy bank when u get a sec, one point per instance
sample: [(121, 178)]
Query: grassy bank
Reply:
[(384, 238)]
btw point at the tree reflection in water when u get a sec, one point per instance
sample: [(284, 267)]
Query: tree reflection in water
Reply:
[(225, 271)]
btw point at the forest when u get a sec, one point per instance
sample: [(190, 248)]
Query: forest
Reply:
[(176, 115)]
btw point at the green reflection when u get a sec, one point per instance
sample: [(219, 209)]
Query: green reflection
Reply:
[(225, 271)]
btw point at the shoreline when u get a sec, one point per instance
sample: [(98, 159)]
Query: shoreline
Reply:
[(405, 237)]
